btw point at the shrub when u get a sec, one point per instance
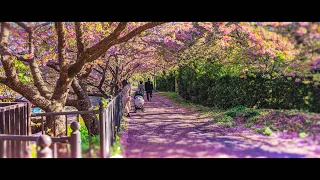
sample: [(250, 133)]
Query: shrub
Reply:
[(251, 113), (225, 121), (266, 131), (212, 84), (235, 111)]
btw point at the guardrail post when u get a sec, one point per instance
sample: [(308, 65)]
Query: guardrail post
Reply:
[(44, 141), (75, 140), (2, 149), (119, 113), (102, 120)]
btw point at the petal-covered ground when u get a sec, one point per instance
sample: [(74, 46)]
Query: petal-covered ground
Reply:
[(167, 130)]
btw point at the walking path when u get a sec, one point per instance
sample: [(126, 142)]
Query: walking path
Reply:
[(167, 130)]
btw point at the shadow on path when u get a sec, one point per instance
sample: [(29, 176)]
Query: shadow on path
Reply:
[(166, 130)]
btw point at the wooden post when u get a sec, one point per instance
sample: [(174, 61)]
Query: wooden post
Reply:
[(44, 141), (102, 120), (75, 140)]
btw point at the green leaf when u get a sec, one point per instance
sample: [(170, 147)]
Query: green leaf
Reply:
[(303, 135)]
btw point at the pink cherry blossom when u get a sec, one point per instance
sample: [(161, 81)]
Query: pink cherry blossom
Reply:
[(274, 24), (226, 38), (304, 23), (285, 23), (301, 31)]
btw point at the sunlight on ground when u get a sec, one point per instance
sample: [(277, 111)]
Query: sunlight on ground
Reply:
[(116, 156)]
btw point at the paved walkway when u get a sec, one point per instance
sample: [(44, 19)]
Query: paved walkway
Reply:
[(166, 130)]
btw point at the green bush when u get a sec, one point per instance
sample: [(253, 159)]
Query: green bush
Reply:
[(235, 111), (251, 113), (166, 82), (211, 84)]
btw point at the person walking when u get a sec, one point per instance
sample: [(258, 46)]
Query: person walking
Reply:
[(126, 98), (141, 87), (148, 88)]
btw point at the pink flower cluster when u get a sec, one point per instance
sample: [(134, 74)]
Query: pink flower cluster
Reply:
[(304, 23), (302, 31)]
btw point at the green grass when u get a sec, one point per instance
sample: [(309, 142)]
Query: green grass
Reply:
[(117, 148), (95, 139), (243, 111), (233, 112), (303, 135), (225, 121), (250, 124), (269, 118), (249, 113), (174, 97), (265, 131)]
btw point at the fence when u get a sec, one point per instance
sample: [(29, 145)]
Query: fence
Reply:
[(109, 122), (15, 120), (43, 144)]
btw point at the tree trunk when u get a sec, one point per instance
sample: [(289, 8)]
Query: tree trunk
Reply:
[(84, 104), (56, 124), (91, 121), (175, 84)]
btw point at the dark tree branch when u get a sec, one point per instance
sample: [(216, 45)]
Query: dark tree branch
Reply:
[(61, 45), (3, 80), (100, 72), (38, 80), (79, 36), (63, 83), (87, 73), (35, 70), (54, 66), (39, 26), (98, 95), (112, 71), (137, 31), (72, 102), (95, 51), (12, 80), (25, 27)]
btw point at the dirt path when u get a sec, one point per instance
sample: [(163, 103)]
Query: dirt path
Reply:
[(166, 130)]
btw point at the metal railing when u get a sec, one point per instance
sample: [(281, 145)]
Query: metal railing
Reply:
[(66, 114), (78, 113), (15, 120), (109, 122), (43, 144)]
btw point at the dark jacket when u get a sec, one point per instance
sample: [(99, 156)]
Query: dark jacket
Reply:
[(148, 86)]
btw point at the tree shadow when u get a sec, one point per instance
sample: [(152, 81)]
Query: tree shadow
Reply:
[(174, 133)]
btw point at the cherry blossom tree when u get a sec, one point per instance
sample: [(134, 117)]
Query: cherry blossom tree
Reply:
[(68, 48)]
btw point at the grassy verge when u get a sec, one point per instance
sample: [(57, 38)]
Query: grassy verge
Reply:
[(117, 147), (174, 97), (263, 121)]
